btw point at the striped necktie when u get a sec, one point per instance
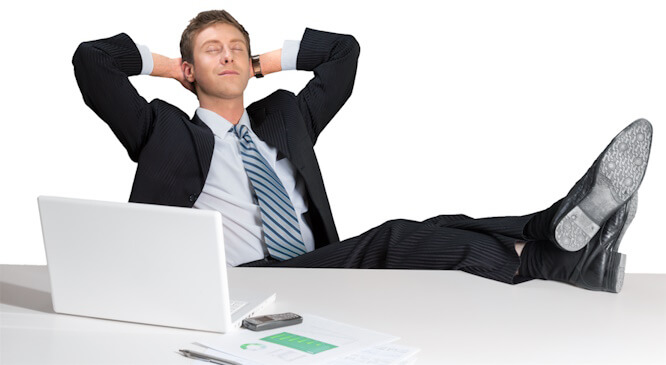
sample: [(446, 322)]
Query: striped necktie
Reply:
[(281, 228)]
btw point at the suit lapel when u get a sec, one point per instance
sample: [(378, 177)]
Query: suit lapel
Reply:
[(204, 142), (270, 128)]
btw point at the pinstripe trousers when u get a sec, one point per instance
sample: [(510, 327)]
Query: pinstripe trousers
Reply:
[(483, 247)]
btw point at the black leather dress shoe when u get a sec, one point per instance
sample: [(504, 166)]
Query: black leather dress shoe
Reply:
[(599, 266), (602, 266), (607, 185), (630, 211)]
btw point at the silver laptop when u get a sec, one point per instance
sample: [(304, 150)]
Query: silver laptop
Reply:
[(142, 263)]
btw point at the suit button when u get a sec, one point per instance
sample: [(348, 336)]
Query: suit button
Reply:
[(192, 197)]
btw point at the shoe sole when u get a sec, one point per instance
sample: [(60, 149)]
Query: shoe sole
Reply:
[(620, 174)]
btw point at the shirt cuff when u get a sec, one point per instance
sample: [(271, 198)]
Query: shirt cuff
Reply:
[(146, 59), (289, 55)]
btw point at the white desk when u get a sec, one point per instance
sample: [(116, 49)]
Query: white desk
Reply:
[(452, 316)]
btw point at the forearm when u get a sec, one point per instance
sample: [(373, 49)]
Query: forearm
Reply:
[(281, 59), (165, 66), (270, 62)]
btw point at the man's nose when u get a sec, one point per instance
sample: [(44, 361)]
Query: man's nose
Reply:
[(227, 56)]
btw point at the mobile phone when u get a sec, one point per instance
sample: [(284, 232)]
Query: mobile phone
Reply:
[(271, 321)]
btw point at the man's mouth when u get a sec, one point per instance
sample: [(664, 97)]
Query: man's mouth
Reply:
[(228, 72)]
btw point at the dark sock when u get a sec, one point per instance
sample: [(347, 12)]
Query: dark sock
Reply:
[(543, 260), (538, 227)]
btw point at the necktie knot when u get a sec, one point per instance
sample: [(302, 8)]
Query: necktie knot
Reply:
[(240, 130)]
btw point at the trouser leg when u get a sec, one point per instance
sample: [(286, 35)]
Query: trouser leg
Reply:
[(512, 227), (439, 243)]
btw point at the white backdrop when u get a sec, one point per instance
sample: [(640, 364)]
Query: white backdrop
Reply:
[(478, 107)]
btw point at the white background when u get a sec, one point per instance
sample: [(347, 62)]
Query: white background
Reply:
[(478, 107)]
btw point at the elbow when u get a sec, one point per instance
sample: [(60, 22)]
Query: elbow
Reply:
[(357, 47), (80, 54), (353, 45)]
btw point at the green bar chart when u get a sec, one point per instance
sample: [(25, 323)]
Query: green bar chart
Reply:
[(299, 343)]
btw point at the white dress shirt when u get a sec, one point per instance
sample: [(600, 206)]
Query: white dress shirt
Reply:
[(228, 188)]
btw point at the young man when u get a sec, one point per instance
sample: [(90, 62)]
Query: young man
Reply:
[(257, 166)]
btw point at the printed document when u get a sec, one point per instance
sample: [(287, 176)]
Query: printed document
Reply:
[(315, 341)]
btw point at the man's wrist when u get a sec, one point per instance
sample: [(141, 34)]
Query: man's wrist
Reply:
[(256, 67), (176, 70), (270, 62), (164, 66)]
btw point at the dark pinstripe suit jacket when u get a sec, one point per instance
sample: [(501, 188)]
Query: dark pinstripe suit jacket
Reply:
[(174, 152)]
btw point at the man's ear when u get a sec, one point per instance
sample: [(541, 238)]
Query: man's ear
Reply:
[(188, 70)]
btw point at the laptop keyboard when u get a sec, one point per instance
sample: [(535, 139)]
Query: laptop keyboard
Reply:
[(236, 305)]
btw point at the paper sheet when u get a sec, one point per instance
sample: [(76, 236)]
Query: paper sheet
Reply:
[(386, 354), (315, 341)]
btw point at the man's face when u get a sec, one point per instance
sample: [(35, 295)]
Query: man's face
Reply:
[(221, 62)]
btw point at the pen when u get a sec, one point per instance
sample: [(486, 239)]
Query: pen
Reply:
[(199, 356)]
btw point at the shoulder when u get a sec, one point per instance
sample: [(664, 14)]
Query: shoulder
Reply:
[(279, 99), (165, 113), (167, 110), (168, 118)]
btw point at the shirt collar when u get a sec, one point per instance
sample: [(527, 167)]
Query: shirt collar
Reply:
[(218, 124)]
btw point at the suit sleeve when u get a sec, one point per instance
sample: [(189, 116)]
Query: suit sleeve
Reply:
[(333, 58), (102, 68)]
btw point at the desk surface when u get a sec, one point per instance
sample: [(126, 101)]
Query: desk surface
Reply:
[(471, 320)]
